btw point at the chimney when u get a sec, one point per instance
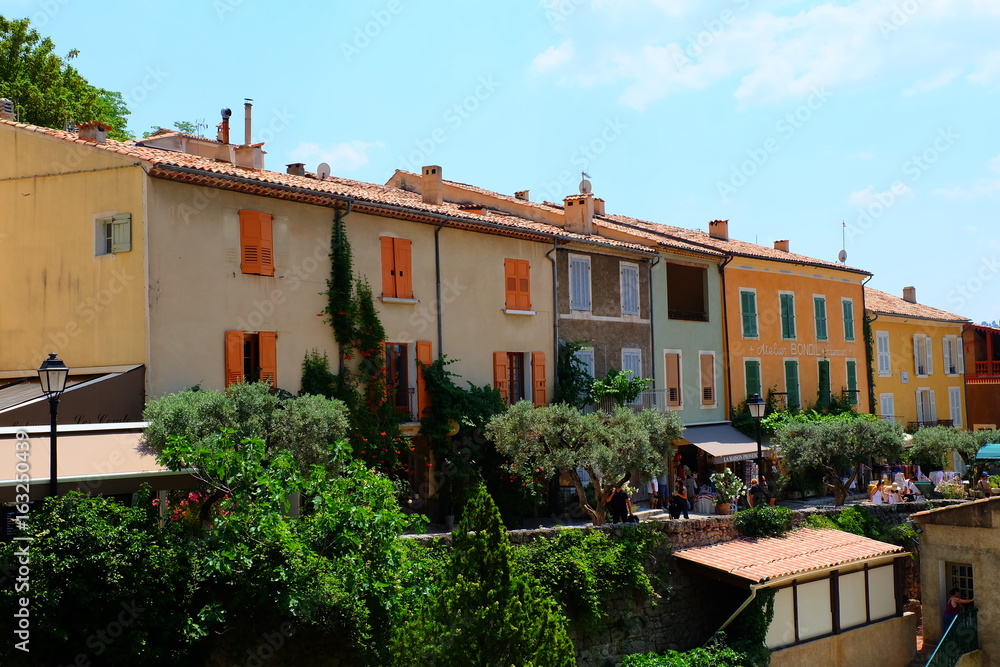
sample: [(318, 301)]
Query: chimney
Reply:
[(521, 194), (579, 213), (7, 109), (431, 185), (94, 131), (781, 245), (224, 127), (910, 294), (599, 206), (297, 169), (719, 229), (247, 114)]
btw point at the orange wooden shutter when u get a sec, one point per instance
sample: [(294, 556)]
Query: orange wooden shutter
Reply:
[(538, 378), (234, 357), (404, 283), (424, 356), (264, 220), (523, 285), (673, 380), (510, 283), (267, 342), (249, 242), (388, 267), (500, 374)]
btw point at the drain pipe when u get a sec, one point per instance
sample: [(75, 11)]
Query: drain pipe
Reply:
[(753, 594), (555, 312), (437, 285), (653, 355), (725, 343)]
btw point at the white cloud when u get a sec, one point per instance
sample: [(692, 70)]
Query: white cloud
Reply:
[(552, 58), (345, 156), (868, 196), (933, 83), (984, 187)]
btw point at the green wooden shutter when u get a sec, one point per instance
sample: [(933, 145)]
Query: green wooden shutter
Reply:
[(792, 385), (819, 307), (848, 320), (824, 381), (748, 305), (788, 316), (752, 371), (852, 381)]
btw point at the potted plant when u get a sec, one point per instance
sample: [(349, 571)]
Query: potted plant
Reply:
[(728, 487)]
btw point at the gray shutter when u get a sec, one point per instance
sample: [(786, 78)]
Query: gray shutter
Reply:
[(121, 233)]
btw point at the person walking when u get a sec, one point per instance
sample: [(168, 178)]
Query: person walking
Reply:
[(679, 502), (619, 504)]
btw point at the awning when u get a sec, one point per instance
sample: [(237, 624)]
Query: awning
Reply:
[(723, 443), (97, 395), (989, 452)]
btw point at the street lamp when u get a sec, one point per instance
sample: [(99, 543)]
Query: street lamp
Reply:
[(53, 374), (757, 406)]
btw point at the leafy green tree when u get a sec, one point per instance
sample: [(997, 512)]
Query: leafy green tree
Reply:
[(486, 613), (837, 446), (47, 90), (573, 380), (619, 386), (931, 446), (608, 445)]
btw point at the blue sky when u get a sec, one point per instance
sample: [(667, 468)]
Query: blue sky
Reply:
[(787, 118)]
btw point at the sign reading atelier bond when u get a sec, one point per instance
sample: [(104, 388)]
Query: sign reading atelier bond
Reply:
[(796, 350)]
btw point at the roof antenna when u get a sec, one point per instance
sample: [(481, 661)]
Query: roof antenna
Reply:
[(585, 188), (842, 255)]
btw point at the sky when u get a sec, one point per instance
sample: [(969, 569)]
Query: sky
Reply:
[(867, 125)]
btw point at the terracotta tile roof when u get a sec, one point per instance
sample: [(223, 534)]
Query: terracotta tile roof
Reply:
[(648, 230), (887, 304), (801, 551), (367, 197)]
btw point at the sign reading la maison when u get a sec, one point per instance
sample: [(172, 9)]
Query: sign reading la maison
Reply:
[(795, 350)]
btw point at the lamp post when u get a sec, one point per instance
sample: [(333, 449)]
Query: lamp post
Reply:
[(757, 406), (53, 374)]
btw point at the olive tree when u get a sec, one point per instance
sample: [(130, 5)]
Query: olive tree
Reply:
[(607, 445)]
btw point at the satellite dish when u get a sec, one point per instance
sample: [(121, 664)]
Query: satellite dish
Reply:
[(323, 170), (842, 256), (585, 188)]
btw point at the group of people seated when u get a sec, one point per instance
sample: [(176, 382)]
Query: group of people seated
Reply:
[(903, 490)]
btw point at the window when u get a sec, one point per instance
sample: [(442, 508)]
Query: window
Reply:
[(792, 401), (887, 406), (586, 356), (672, 379), (848, 306), (950, 356), (955, 406), (819, 312), (397, 283), (632, 361), (852, 382), (926, 411), (748, 307), (251, 357), (921, 355), (751, 371), (823, 381), (687, 292), (425, 357), (884, 366), (630, 289), (509, 376), (517, 282), (707, 379), (960, 577), (397, 378), (114, 234), (787, 302), (256, 243), (579, 282)]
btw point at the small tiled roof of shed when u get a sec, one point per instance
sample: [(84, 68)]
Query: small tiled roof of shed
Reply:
[(800, 552)]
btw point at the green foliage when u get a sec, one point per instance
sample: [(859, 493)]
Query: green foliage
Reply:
[(748, 632), (582, 570), (573, 381), (764, 521), (862, 521), (104, 581), (716, 654), (608, 445), (485, 613), (47, 90), (317, 378), (727, 485), (619, 386), (341, 308), (470, 408)]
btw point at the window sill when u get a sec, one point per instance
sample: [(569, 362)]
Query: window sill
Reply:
[(508, 311), (393, 299)]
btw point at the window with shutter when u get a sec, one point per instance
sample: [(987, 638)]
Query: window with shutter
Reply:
[(673, 379), (751, 371), (955, 406), (884, 366), (632, 361), (819, 311), (787, 303), (887, 406), (538, 384), (424, 359), (517, 284), (792, 385), (707, 379), (748, 308), (579, 283), (500, 374), (121, 233), (848, 306), (397, 281), (823, 380), (852, 381), (586, 356), (630, 289), (919, 354), (251, 357), (256, 243)]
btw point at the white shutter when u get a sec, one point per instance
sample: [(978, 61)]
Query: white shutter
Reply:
[(917, 354), (960, 353), (946, 357), (929, 348), (579, 278), (933, 410), (920, 407), (632, 361), (586, 355), (887, 405), (955, 405), (121, 233), (883, 353)]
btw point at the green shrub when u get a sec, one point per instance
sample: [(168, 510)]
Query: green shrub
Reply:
[(714, 655), (861, 521), (765, 521)]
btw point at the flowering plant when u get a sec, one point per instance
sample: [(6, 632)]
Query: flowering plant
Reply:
[(727, 485)]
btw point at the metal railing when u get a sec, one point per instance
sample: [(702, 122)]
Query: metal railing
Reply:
[(913, 426), (960, 637), (649, 399)]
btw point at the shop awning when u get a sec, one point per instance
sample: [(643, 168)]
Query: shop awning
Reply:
[(723, 443), (96, 395), (989, 452)]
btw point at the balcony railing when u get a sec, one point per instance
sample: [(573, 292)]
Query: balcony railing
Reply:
[(913, 426), (961, 637), (402, 400), (649, 399), (987, 368)]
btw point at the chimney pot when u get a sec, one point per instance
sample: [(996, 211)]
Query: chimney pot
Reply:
[(781, 245), (432, 185), (521, 194), (910, 294), (93, 131), (578, 213), (7, 109), (247, 116), (599, 206), (297, 169), (719, 229)]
